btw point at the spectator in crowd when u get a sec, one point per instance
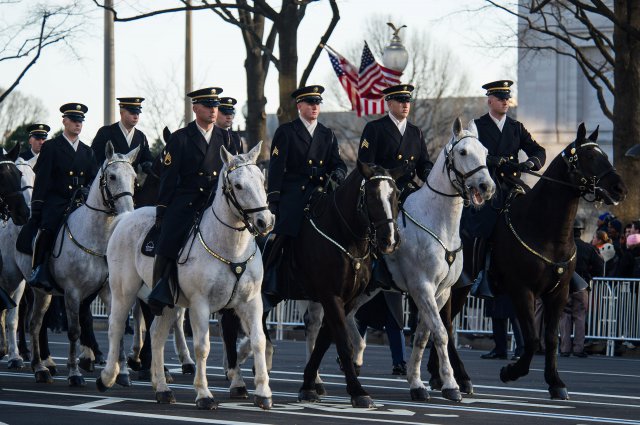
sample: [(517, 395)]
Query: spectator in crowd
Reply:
[(589, 264), (603, 243), (603, 221), (614, 232), (629, 265)]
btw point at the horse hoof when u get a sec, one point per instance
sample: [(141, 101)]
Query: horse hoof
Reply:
[(26, 356), (144, 375), (165, 397), (168, 377), (188, 369), (320, 389), (123, 380), (559, 393), (100, 360), (504, 374), (308, 395), (100, 385), (265, 403), (466, 387), (362, 401), (451, 394), (419, 394), (239, 393), (53, 370), (43, 377), (87, 365), (76, 381), (435, 384), (357, 369), (133, 364), (206, 404), (15, 364)]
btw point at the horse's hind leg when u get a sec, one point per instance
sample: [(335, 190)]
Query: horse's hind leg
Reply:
[(313, 322), (229, 327), (26, 304), (199, 313), (181, 348), (138, 334), (250, 314), (523, 304), (40, 305), (553, 305), (72, 304), (91, 353)]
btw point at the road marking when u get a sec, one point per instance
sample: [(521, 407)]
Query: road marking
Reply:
[(96, 403)]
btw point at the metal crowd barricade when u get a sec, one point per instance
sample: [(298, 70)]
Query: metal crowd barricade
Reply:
[(613, 315)]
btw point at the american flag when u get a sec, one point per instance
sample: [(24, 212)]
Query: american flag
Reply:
[(348, 77)]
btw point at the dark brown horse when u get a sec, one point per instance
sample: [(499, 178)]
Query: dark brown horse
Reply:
[(534, 253)]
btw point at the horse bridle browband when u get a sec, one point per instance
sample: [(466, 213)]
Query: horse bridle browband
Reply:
[(459, 182), (109, 200)]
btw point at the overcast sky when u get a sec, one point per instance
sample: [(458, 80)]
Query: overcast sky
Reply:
[(153, 49)]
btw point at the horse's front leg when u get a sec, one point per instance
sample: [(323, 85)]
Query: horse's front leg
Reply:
[(250, 314), (40, 305), (553, 305), (133, 360), (72, 304), (159, 332), (313, 322), (199, 312), (15, 360), (359, 342), (424, 297), (229, 328), (180, 341)]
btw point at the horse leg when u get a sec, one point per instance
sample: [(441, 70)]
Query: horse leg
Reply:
[(425, 300), (91, 353), (15, 360), (40, 305), (115, 369), (199, 313), (23, 319), (313, 322), (159, 333), (133, 361), (144, 372), (72, 304), (523, 304), (356, 338), (553, 305), (180, 342), (229, 328), (44, 347)]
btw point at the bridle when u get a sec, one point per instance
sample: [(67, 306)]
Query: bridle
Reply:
[(109, 199), (459, 179), (230, 196), (5, 212)]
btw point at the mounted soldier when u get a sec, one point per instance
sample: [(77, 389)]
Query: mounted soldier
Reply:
[(392, 142), (124, 136), (189, 179), (304, 156), (64, 172), (504, 137), (38, 133), (224, 123)]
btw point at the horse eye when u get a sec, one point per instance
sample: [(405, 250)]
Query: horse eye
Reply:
[(238, 186), (463, 152), (112, 177)]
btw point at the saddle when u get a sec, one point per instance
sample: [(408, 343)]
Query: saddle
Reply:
[(279, 282), (150, 242)]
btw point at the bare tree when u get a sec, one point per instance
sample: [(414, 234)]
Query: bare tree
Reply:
[(18, 109), (45, 26), (612, 28)]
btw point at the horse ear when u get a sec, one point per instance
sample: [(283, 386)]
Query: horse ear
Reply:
[(457, 127), (594, 136), (365, 170), (255, 152), (166, 134), (471, 128), (14, 152), (225, 155), (108, 151), (131, 156), (582, 132), (400, 171)]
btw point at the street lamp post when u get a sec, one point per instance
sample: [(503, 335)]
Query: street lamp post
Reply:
[(395, 55)]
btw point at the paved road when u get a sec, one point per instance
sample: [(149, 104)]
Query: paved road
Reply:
[(603, 390)]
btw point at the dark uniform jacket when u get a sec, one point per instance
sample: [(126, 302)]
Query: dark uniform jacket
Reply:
[(382, 144), (112, 132), (188, 184), (513, 138), (26, 155), (589, 263), (60, 171), (231, 140), (299, 164)]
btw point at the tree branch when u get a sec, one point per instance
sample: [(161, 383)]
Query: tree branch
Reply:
[(204, 6), (323, 40)]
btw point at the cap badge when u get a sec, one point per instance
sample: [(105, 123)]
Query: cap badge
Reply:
[(405, 88), (213, 91), (505, 84), (78, 107), (315, 90), (41, 127), (137, 100)]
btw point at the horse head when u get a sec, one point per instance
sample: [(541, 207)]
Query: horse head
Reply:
[(379, 203), (466, 164), (115, 183), (590, 169), (28, 177), (12, 202), (243, 187)]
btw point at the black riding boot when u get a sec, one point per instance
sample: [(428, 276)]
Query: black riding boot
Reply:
[(482, 285), (6, 303), (163, 293), (40, 276), (577, 283), (271, 290)]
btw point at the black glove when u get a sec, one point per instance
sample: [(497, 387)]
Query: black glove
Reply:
[(36, 216), (525, 166), (146, 167), (337, 176), (496, 161), (273, 207), (84, 192)]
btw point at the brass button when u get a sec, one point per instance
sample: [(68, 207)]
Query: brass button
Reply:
[(70, 187), (400, 156), (511, 157), (515, 174), (201, 173), (412, 157), (310, 177), (310, 162), (320, 162), (321, 178), (82, 173), (71, 173), (501, 174), (201, 190), (302, 188), (215, 173)]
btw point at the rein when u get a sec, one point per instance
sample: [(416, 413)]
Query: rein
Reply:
[(110, 200), (449, 256), (230, 196)]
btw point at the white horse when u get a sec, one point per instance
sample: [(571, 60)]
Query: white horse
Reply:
[(429, 260), (78, 262), (11, 279), (220, 268)]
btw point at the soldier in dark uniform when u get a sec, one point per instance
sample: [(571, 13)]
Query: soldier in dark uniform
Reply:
[(392, 141), (124, 136), (64, 172), (38, 133), (192, 164), (304, 154), (224, 122), (504, 137)]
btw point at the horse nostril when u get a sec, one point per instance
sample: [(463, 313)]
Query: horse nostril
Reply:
[(261, 223), (483, 187)]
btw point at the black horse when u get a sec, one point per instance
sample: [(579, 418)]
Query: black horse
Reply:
[(534, 253), (12, 203)]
